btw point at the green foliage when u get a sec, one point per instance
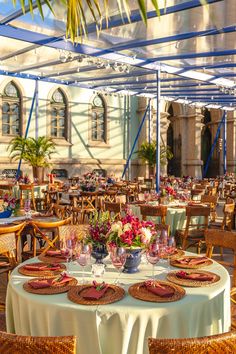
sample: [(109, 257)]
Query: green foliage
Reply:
[(37, 152), (147, 153)]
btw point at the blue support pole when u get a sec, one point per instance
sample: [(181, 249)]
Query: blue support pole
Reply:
[(37, 109), (149, 123), (136, 139), (213, 145), (224, 142), (27, 127), (158, 78)]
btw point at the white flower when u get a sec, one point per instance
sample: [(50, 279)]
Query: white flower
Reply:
[(127, 227), (117, 227), (146, 235)]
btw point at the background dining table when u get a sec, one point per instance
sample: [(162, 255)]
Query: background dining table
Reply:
[(121, 327)]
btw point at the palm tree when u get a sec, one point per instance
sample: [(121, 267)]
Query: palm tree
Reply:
[(37, 152), (78, 11), (147, 153)]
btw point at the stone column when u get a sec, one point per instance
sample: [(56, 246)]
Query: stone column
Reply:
[(191, 127)]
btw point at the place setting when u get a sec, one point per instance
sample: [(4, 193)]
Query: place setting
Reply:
[(41, 269), (191, 262), (50, 286), (193, 278)]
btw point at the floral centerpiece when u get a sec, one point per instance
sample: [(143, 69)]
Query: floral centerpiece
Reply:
[(89, 182), (99, 226), (24, 179), (134, 235), (9, 204)]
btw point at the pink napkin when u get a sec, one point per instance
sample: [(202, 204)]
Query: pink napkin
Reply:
[(96, 291), (191, 261), (42, 267), (46, 283), (41, 283), (194, 276), (53, 253), (160, 290)]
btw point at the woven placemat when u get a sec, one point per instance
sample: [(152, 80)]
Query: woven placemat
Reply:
[(192, 282), (41, 273), (51, 259), (190, 266), (139, 291), (114, 293), (56, 289), (176, 254)]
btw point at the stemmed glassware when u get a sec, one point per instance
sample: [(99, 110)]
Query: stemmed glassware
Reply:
[(27, 208), (83, 256), (153, 255), (66, 247), (118, 257), (170, 248)]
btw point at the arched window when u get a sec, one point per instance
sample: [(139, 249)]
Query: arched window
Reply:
[(98, 117), (58, 115), (11, 110)]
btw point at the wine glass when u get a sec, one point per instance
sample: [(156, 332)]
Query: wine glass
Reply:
[(118, 258), (170, 249), (27, 208), (153, 255), (67, 250), (83, 257)]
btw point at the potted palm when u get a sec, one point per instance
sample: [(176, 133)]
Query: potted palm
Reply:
[(147, 153), (37, 152)]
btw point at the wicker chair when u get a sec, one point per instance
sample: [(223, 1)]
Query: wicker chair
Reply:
[(152, 210), (16, 344), (224, 239), (9, 238), (212, 201), (233, 308), (80, 231), (114, 209), (220, 343), (227, 221)]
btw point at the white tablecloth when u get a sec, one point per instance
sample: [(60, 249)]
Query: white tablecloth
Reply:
[(122, 327)]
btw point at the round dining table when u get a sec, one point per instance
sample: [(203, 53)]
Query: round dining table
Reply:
[(121, 327)]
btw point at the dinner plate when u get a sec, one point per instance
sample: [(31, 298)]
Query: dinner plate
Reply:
[(175, 262), (42, 273)]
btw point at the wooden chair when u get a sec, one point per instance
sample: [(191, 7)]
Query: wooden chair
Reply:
[(224, 239), (212, 201), (154, 210), (9, 241), (89, 203), (16, 344), (233, 308), (163, 227), (114, 209), (61, 211), (27, 192), (197, 193), (194, 229), (227, 221), (47, 235), (77, 215), (220, 343)]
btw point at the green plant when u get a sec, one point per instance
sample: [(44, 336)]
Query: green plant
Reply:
[(37, 152), (147, 153)]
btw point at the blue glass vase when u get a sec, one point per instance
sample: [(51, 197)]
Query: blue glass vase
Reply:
[(99, 252), (5, 214), (133, 259)]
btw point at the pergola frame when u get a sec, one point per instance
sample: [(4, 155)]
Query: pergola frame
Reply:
[(210, 94)]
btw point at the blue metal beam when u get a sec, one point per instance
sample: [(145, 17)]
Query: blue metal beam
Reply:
[(133, 83), (177, 37), (117, 21), (73, 71), (158, 131), (182, 56), (212, 66)]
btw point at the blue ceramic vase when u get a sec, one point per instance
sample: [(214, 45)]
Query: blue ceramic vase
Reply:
[(133, 259), (99, 252), (5, 214)]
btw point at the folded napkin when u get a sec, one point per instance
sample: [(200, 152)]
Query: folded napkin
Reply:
[(96, 291), (191, 261), (158, 289), (46, 283), (195, 276), (42, 267), (56, 253), (40, 283)]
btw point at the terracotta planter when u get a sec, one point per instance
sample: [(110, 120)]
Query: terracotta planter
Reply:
[(38, 174)]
